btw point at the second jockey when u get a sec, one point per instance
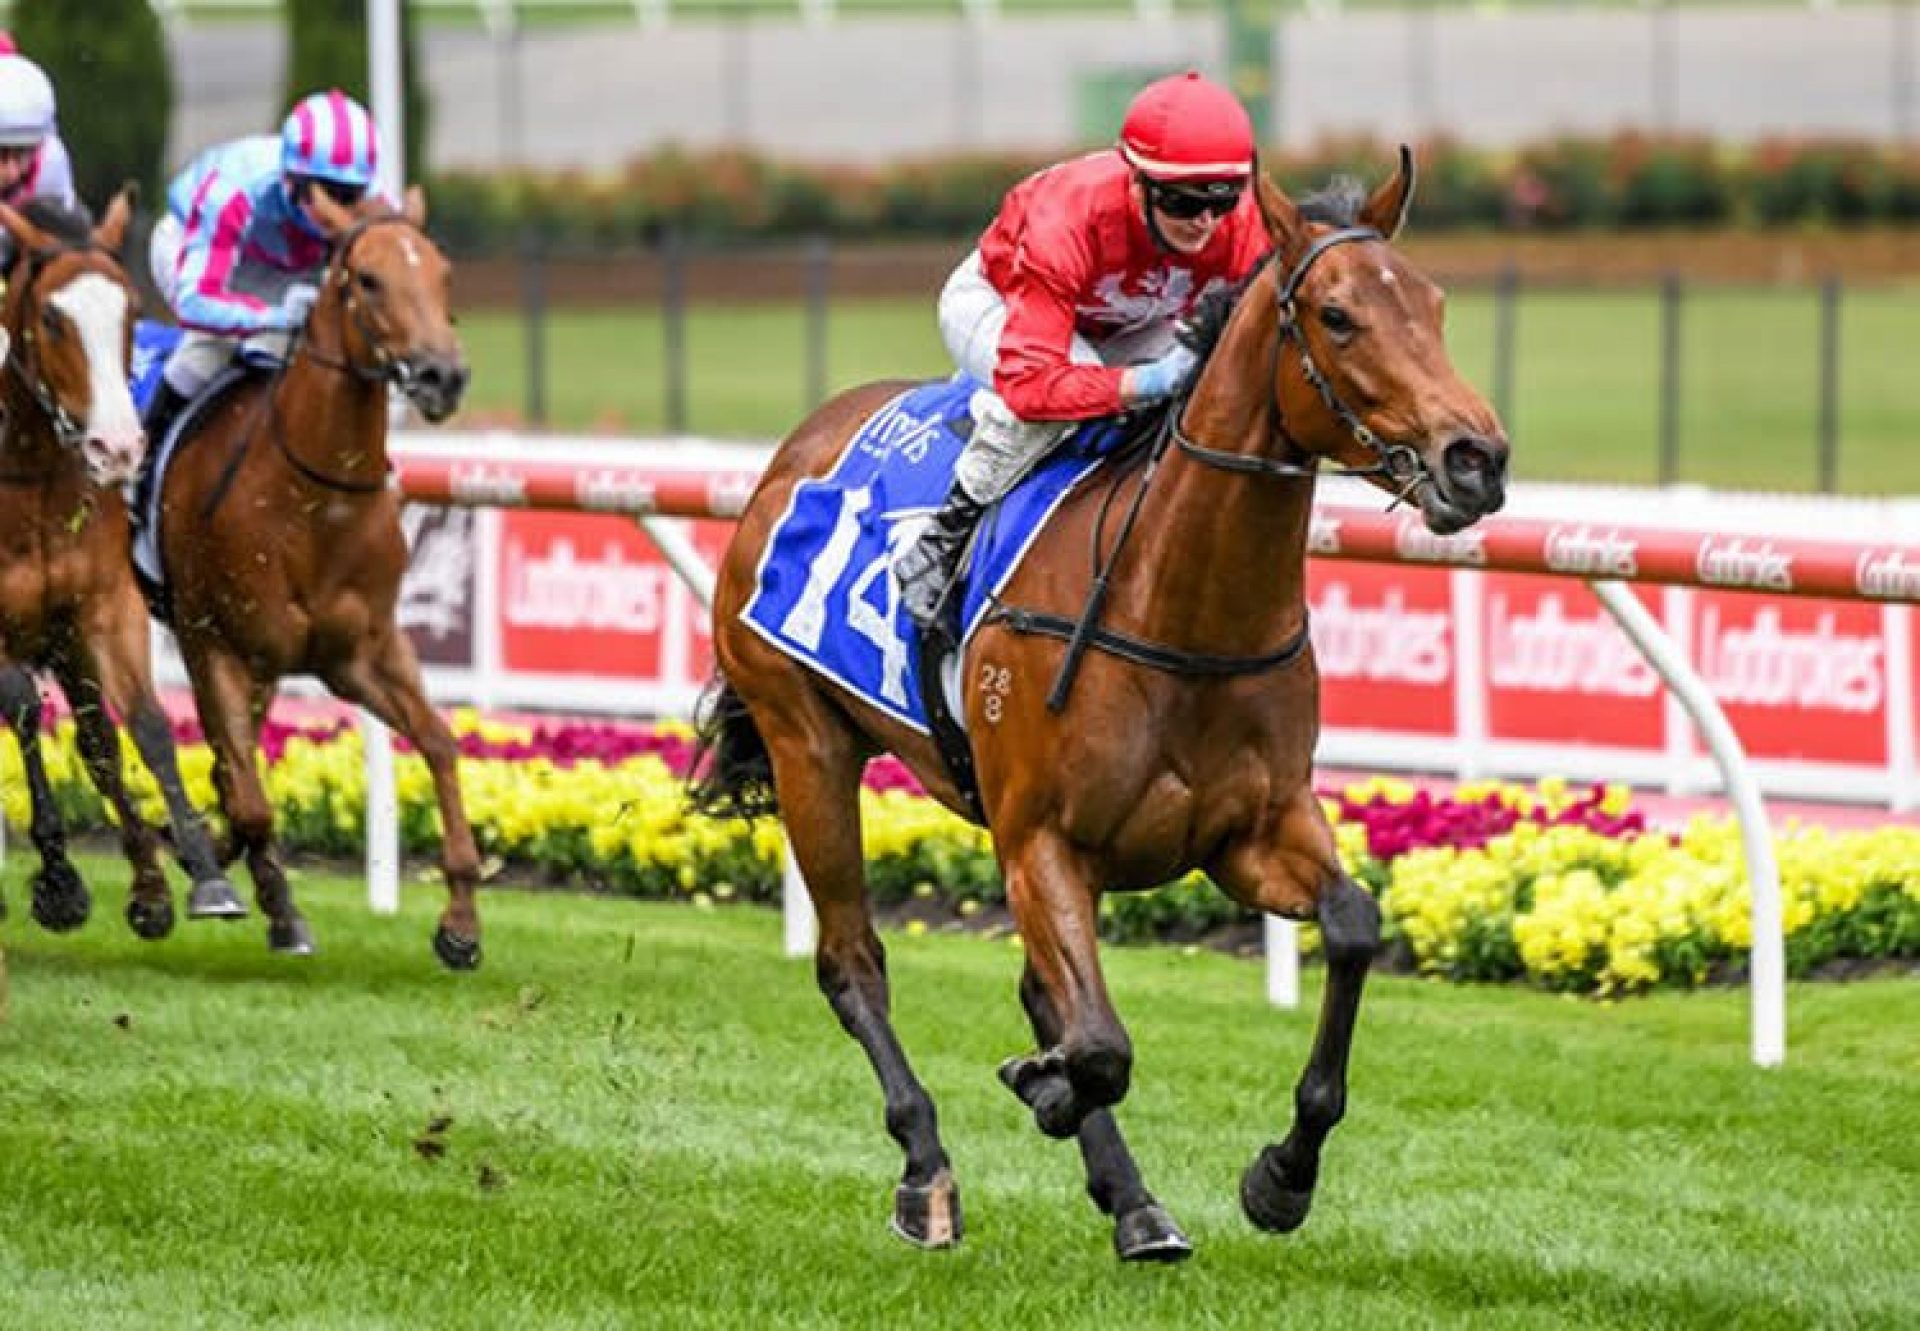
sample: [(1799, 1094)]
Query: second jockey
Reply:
[(33, 160), (1069, 306), (238, 254)]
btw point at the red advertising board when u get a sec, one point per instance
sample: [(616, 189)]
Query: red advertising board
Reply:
[(1799, 679), (1383, 638), (1559, 668), (582, 594)]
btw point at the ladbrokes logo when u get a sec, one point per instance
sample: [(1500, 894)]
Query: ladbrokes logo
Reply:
[(1769, 665), (1742, 563), (555, 588), (1387, 642), (1554, 652), (481, 484), (1594, 554), (1414, 542), (1888, 577), (616, 492)]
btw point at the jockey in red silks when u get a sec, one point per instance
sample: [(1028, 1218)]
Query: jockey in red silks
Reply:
[(1068, 308), (33, 160), (239, 251)]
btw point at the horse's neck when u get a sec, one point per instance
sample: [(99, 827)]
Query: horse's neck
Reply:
[(29, 452), (335, 422), (1225, 566)]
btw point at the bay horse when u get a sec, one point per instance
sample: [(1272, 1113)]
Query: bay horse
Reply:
[(279, 530), (68, 602), (1195, 753)]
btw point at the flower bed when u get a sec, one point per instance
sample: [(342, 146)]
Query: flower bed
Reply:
[(1567, 888)]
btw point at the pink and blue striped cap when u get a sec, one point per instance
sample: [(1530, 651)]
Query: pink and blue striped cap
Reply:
[(330, 136)]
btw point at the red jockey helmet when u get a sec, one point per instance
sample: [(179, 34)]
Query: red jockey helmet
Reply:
[(1187, 129)]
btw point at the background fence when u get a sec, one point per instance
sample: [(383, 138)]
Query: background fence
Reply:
[(1783, 386)]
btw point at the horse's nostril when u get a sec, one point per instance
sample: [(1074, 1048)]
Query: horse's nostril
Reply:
[(1475, 463)]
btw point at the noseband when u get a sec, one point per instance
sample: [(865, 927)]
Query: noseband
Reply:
[(69, 430), (1398, 462)]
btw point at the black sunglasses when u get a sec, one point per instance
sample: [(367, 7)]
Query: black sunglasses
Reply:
[(339, 191), (1183, 205)]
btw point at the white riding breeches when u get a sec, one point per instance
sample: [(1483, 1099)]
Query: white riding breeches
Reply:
[(200, 356), (973, 315)]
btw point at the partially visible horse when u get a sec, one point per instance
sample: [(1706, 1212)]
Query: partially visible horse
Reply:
[(1187, 740), (68, 602), (279, 530)]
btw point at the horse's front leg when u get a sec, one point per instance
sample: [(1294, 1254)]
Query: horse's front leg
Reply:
[(385, 679), (231, 703), (1142, 1229), (1057, 907), (150, 901), (61, 901), (121, 657), (1291, 868)]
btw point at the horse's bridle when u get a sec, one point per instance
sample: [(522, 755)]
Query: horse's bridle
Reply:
[(1399, 463), (69, 430), (388, 369)]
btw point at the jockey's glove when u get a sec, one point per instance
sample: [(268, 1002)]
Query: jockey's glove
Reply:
[(1160, 378), (296, 303)]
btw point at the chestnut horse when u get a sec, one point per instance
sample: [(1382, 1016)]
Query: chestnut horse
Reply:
[(68, 602), (1198, 757), (280, 535)]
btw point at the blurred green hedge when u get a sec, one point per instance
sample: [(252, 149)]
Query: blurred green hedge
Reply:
[(1625, 182)]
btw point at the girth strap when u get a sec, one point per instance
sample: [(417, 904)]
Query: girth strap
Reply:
[(1150, 654)]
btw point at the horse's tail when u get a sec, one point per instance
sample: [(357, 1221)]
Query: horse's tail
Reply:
[(732, 773)]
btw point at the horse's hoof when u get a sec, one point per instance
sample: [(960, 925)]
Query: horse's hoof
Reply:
[(456, 953), (290, 938), (61, 902), (215, 899), (929, 1216), (150, 918), (1267, 1199), (1148, 1234), (1040, 1080)]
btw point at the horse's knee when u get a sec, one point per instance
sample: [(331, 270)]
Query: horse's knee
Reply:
[(251, 820), (1349, 925), (1101, 1069)]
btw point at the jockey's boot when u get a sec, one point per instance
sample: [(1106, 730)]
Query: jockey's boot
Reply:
[(162, 412), (925, 572)]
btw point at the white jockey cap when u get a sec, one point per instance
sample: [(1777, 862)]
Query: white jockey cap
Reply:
[(26, 103)]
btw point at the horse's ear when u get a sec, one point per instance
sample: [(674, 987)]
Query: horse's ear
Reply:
[(1284, 225), (414, 205), (1386, 211), (112, 231), (26, 235)]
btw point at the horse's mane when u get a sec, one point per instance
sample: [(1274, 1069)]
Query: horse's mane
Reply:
[(1337, 204), (72, 226)]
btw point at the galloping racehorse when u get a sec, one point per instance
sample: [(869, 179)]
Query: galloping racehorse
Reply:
[(1186, 740), (70, 437), (281, 542)]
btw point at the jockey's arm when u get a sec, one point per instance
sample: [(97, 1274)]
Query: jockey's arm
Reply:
[(210, 256), (1036, 375)]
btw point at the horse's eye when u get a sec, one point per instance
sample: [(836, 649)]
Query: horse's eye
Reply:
[(51, 320), (369, 284), (1336, 320)]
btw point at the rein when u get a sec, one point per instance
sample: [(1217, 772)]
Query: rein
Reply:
[(387, 370), (1398, 462)]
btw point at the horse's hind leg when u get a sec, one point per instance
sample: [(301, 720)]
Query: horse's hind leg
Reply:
[(61, 901), (386, 680), (1142, 1229), (816, 772), (230, 702), (1294, 870)]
